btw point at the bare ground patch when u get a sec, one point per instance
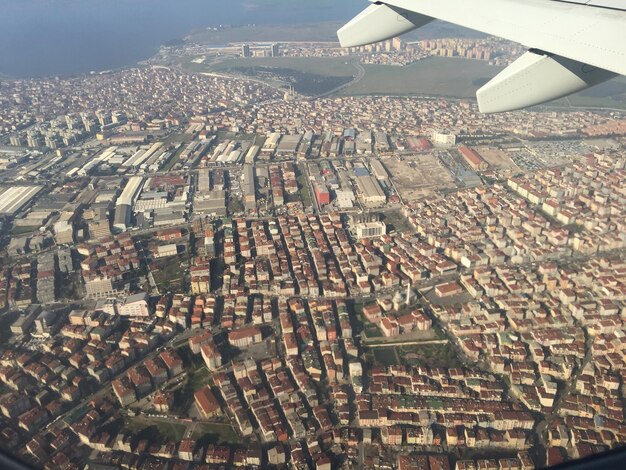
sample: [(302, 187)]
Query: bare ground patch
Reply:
[(497, 158), (417, 177)]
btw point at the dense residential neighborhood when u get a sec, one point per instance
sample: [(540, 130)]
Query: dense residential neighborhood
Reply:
[(205, 272)]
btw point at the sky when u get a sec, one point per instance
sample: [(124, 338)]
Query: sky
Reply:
[(47, 37)]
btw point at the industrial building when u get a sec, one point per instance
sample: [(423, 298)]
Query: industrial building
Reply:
[(230, 157), (46, 269), (218, 179), (169, 216), (122, 218), (379, 170), (203, 185), (24, 321), (123, 208), (64, 228), (164, 251), (371, 192), (288, 146), (344, 199), (212, 203), (252, 153), (473, 158), (99, 288), (382, 143), (270, 145), (135, 305), (416, 144), (15, 198), (249, 187), (131, 190), (145, 157)]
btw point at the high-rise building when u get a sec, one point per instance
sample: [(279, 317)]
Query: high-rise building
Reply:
[(245, 51), (104, 117), (275, 50)]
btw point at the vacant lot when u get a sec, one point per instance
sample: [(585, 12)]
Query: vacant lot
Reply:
[(418, 176), (460, 78), (156, 428), (396, 221), (435, 76), (325, 66), (216, 433), (308, 75), (431, 355), (386, 356), (497, 158), (170, 274)]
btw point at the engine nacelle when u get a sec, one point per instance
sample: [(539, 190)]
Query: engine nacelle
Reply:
[(537, 77), (379, 22)]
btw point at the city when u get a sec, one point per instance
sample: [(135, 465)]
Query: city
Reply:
[(210, 271)]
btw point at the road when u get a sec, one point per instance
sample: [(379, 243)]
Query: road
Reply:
[(360, 75)]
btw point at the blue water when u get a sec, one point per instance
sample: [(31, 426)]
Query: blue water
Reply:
[(64, 37)]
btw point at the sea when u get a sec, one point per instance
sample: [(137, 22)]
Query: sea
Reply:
[(69, 37)]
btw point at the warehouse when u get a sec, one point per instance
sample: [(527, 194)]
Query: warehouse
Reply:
[(288, 145), (122, 217), (344, 199), (13, 199), (473, 158), (203, 180), (131, 191), (212, 203), (249, 188), (378, 170), (123, 208), (252, 153), (371, 192)]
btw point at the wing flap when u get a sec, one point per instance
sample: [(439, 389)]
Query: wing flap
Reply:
[(613, 4)]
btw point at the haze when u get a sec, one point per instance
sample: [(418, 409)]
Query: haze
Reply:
[(48, 37)]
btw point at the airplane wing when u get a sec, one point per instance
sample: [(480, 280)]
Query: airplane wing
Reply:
[(572, 44)]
